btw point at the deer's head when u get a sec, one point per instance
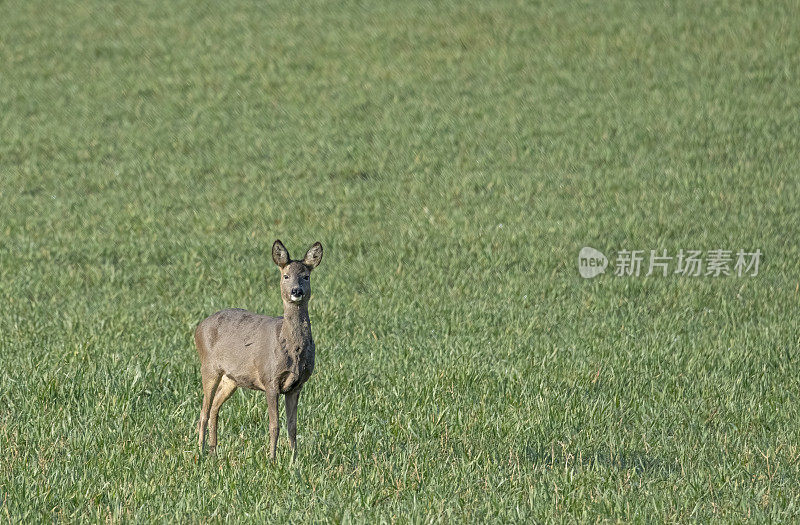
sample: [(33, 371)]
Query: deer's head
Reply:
[(296, 275)]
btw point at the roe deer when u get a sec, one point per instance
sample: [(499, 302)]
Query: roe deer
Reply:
[(238, 348)]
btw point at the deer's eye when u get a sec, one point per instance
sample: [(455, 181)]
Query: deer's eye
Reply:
[(285, 276), (306, 277)]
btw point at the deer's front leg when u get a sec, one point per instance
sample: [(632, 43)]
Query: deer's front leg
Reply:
[(291, 419), (272, 403)]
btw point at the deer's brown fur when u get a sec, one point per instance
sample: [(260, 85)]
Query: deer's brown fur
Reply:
[(238, 348)]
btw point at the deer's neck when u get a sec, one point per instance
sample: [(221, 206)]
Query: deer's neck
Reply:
[(296, 329)]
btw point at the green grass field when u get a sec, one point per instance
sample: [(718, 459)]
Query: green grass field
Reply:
[(453, 159)]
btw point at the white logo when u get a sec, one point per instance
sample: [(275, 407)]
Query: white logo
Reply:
[(688, 263), (591, 262)]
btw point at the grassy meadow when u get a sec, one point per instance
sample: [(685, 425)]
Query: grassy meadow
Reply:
[(453, 158)]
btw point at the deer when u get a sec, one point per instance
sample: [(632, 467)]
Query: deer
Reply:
[(275, 355)]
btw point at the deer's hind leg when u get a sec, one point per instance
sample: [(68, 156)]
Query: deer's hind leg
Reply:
[(272, 406), (210, 382), (226, 387)]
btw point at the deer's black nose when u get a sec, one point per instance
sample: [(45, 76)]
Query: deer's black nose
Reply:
[(297, 292)]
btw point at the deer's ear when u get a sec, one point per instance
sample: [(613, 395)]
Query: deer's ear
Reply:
[(313, 255), (280, 254)]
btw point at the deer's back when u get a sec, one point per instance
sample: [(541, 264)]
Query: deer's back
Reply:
[(239, 344)]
